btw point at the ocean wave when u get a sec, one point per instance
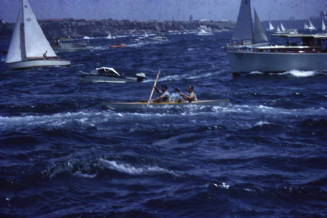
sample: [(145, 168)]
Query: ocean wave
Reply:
[(186, 76), (88, 38), (294, 73), (244, 190), (299, 73), (258, 109), (135, 170), (99, 119)]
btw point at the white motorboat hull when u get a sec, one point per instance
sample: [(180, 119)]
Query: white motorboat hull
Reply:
[(244, 61), (37, 63)]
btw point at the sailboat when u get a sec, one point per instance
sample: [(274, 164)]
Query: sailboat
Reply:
[(282, 28), (271, 27), (109, 36), (29, 47), (306, 27), (249, 50), (323, 26), (311, 27), (278, 30)]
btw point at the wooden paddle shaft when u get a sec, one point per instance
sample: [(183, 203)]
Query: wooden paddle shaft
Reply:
[(154, 85)]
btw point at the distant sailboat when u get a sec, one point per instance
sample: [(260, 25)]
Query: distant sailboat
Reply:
[(205, 31), (278, 30), (29, 46), (271, 27), (323, 26), (109, 36), (311, 27), (306, 27), (282, 28)]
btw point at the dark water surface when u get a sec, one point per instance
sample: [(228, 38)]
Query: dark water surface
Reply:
[(262, 155)]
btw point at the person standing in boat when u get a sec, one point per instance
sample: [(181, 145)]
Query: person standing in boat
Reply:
[(164, 94), (45, 55), (191, 96)]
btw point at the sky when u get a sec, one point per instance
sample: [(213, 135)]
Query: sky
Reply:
[(163, 9)]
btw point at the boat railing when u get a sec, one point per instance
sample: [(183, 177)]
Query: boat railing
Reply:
[(278, 49)]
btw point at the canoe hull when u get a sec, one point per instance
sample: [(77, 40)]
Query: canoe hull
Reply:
[(131, 105)]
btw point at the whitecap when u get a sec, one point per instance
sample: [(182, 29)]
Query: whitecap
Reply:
[(87, 37), (261, 123), (256, 73), (299, 73), (132, 170), (84, 175), (222, 185)]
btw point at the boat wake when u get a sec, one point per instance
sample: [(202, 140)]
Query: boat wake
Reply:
[(186, 76), (106, 119)]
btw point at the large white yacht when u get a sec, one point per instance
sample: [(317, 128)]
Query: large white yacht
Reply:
[(250, 51)]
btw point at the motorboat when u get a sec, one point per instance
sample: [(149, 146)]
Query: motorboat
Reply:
[(69, 46), (110, 75), (250, 50)]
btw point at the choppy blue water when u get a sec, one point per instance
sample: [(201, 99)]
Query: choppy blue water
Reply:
[(262, 155)]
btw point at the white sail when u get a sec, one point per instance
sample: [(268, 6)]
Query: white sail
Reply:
[(259, 34), (271, 27), (323, 26), (36, 43), (311, 26), (243, 29), (282, 28), (278, 30), (15, 51), (306, 27)]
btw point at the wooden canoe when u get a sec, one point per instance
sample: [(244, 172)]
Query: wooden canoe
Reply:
[(140, 104)]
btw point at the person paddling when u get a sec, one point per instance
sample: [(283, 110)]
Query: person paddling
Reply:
[(165, 95), (191, 97)]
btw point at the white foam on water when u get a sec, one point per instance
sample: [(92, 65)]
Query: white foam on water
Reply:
[(256, 73), (300, 74), (84, 175), (223, 185), (132, 170), (185, 76), (88, 37), (54, 120), (261, 123), (258, 109)]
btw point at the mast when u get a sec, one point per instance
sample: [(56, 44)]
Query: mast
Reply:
[(15, 51), (22, 34)]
